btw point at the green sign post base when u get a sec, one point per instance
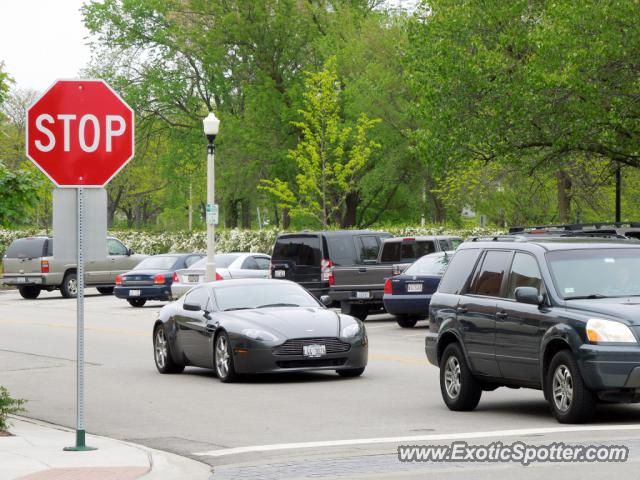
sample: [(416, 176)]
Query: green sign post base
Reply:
[(80, 444)]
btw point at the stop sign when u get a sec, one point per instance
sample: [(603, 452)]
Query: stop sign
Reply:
[(80, 133)]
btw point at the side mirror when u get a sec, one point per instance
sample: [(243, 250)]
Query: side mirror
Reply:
[(528, 295), (192, 307), (129, 252), (326, 300)]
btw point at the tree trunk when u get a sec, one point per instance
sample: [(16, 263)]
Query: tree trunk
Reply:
[(564, 196), (231, 214), (286, 219), (246, 213), (351, 208)]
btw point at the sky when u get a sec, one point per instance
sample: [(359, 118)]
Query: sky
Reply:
[(42, 40)]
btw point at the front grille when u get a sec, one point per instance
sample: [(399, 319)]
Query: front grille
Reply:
[(294, 346), (316, 362)]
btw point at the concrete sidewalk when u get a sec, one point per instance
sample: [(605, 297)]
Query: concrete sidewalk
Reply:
[(34, 452)]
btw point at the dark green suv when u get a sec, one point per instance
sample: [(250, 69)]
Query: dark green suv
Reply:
[(561, 315)]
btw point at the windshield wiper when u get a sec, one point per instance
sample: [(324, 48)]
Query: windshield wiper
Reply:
[(279, 305), (592, 296), (236, 308)]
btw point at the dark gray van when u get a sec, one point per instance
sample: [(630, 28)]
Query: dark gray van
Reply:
[(308, 258)]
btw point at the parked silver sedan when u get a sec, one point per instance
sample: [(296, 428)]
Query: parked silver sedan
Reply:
[(228, 266)]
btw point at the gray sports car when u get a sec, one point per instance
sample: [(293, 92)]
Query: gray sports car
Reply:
[(256, 326)]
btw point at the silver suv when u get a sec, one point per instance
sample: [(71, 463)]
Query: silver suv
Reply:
[(29, 265)]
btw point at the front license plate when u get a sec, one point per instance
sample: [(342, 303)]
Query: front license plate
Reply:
[(279, 273), (134, 293), (414, 287), (363, 294), (314, 351), (194, 278)]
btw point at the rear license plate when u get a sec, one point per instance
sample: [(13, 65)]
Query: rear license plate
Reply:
[(193, 278), (414, 287), (279, 273), (363, 294), (314, 351), (134, 293)]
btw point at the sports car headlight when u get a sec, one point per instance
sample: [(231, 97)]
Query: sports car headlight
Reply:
[(608, 331), (259, 335), (350, 330)]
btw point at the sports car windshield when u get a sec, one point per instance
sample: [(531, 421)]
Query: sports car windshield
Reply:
[(596, 273), (268, 295), (429, 265)]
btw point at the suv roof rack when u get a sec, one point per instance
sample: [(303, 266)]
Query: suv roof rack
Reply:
[(499, 238), (572, 227)]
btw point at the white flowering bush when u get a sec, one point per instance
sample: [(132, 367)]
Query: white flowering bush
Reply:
[(229, 240)]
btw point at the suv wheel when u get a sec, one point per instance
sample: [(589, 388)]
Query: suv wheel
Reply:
[(30, 292), (69, 287), (407, 321), (570, 399), (460, 390)]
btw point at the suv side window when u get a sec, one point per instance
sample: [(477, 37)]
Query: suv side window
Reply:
[(459, 269), (524, 273), (114, 247), (488, 281), (342, 250), (369, 248)]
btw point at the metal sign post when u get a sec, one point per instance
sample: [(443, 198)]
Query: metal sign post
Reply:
[(80, 425)]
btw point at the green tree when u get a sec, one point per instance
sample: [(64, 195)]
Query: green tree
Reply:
[(332, 154)]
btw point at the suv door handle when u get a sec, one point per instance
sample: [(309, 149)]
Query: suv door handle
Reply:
[(362, 269), (461, 310), (502, 315)]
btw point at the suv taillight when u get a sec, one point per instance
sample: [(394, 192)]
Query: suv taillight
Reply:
[(159, 279), (118, 279), (219, 277), (326, 271), (44, 266), (387, 287)]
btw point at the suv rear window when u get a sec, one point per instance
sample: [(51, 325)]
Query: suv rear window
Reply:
[(26, 248), (406, 251), (303, 250), (458, 271)]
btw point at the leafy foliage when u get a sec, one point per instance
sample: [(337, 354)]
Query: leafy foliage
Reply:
[(8, 406)]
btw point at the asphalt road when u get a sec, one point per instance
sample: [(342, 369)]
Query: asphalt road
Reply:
[(278, 426)]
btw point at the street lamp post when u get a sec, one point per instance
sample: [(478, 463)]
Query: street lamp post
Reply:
[(211, 125)]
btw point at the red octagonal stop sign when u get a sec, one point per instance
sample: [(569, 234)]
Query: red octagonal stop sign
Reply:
[(80, 133)]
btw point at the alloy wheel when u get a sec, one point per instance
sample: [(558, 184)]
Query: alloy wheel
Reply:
[(452, 377), (72, 286), (222, 356), (161, 348), (562, 388)]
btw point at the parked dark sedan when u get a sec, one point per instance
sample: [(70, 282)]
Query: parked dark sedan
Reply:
[(151, 279), (256, 326), (407, 296)]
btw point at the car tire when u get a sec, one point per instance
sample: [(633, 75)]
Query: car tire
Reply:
[(137, 302), (350, 372), (407, 321), (569, 398), (223, 359), (69, 287), (29, 292), (355, 310), (162, 352), (460, 390), (105, 290)]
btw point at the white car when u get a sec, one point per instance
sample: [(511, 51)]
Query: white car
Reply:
[(228, 266)]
